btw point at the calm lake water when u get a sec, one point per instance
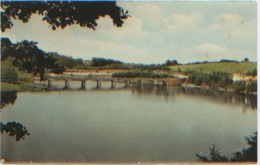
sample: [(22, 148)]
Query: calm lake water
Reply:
[(136, 124)]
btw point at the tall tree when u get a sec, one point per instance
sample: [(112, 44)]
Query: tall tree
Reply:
[(60, 14), (28, 57)]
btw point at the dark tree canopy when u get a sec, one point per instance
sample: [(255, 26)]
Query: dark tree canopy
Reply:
[(28, 57), (14, 129), (61, 14)]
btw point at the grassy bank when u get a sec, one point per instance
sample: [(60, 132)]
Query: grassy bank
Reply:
[(220, 80), (141, 75), (20, 87), (230, 67)]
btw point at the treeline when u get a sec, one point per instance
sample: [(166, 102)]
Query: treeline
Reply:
[(103, 62), (141, 75), (221, 61), (67, 61), (221, 79), (214, 79)]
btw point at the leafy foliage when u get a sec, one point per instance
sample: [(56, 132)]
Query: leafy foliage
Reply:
[(245, 155), (251, 86), (140, 75), (214, 79), (214, 156), (171, 63), (61, 14), (9, 74), (28, 57), (67, 61), (103, 62), (239, 86), (8, 98), (14, 129), (252, 73)]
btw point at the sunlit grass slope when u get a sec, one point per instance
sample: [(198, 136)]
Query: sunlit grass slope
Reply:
[(230, 67)]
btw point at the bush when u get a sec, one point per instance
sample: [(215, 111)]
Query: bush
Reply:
[(9, 75), (248, 154), (140, 75), (214, 79), (252, 86), (239, 86)]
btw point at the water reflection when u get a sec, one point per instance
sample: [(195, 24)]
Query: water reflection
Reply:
[(248, 101), (15, 129), (8, 98)]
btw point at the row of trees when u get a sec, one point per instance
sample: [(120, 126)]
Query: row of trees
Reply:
[(141, 75), (104, 62), (221, 79), (67, 61), (214, 79)]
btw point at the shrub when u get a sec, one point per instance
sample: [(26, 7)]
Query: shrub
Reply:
[(9, 75), (140, 75), (214, 79), (252, 86), (239, 86)]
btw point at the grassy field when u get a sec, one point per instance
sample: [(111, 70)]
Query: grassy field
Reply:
[(8, 64), (230, 67), (9, 87)]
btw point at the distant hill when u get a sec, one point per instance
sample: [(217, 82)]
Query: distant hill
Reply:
[(224, 66)]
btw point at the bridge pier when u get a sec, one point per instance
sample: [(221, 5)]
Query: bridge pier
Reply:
[(66, 83), (49, 83), (127, 83), (140, 82), (83, 83), (165, 83), (113, 83), (98, 83)]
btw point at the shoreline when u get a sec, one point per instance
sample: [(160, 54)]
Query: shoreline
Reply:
[(219, 89)]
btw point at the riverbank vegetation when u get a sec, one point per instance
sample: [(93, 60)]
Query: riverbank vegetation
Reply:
[(141, 75), (26, 56), (223, 80), (12, 79), (245, 155)]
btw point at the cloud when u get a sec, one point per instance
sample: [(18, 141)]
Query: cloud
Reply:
[(209, 47), (230, 17), (181, 22), (234, 26), (155, 32)]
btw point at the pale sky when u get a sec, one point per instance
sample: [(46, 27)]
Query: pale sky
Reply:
[(157, 31)]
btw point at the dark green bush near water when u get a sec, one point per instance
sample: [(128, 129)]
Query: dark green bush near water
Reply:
[(252, 86), (9, 74), (245, 155), (239, 86), (214, 79), (141, 75), (252, 73), (221, 79)]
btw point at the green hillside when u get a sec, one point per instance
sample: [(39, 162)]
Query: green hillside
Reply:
[(230, 67)]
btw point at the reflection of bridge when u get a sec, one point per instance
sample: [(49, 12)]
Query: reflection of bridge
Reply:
[(114, 81)]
